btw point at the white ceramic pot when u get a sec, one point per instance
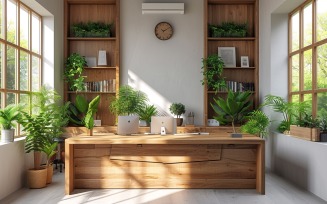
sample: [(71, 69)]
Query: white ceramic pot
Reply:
[(7, 135)]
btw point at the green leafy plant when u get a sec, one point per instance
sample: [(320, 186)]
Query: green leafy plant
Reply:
[(213, 67), (289, 110), (233, 109), (323, 125), (306, 120), (228, 29), (75, 64), (257, 123), (82, 113), (9, 115), (177, 109), (45, 123), (91, 29), (129, 101), (146, 112)]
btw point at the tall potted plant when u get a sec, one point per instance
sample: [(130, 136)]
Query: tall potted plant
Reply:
[(8, 116), (41, 127), (177, 109)]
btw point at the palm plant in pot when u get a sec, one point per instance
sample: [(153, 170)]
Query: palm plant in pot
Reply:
[(145, 114), (8, 116), (232, 110), (41, 127), (128, 103), (177, 109)]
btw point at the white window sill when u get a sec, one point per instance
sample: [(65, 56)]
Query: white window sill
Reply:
[(15, 140)]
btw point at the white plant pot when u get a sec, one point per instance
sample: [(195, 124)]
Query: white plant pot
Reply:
[(7, 135)]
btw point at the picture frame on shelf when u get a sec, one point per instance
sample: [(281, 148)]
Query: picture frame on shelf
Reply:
[(244, 61), (228, 55), (91, 61), (102, 58)]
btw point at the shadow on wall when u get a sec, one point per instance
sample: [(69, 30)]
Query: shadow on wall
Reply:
[(295, 172)]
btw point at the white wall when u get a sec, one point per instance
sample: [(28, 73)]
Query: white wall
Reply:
[(302, 162), (167, 71)]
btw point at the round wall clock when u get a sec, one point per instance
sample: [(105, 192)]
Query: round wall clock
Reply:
[(163, 31)]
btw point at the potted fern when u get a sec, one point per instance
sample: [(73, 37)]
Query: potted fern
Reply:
[(256, 124), (145, 113), (8, 116)]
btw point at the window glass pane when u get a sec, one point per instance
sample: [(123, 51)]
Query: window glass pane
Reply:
[(24, 59), (11, 21), (36, 34), (11, 98), (24, 99), (295, 73), (11, 68), (24, 27), (307, 25), (295, 98), (307, 70), (322, 105), (321, 19), (308, 98), (295, 31), (35, 73), (1, 17), (322, 66)]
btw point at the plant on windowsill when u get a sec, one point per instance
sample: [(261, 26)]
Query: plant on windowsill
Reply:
[(289, 110), (212, 70), (8, 116), (256, 124), (232, 110), (177, 109), (323, 129), (82, 112), (75, 64), (145, 114), (306, 128)]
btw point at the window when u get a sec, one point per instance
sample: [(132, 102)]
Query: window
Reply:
[(308, 55), (20, 52)]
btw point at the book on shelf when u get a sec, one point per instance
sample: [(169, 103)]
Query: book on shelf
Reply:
[(240, 86), (101, 86)]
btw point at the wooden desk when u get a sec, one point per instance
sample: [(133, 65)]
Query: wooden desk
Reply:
[(154, 161)]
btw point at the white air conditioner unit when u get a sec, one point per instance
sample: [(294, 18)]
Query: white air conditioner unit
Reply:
[(162, 8)]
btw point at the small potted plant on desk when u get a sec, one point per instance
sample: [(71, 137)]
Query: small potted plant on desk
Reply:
[(233, 109), (177, 109), (145, 114), (8, 116), (128, 103), (82, 112)]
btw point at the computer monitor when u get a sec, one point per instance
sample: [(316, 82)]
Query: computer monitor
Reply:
[(162, 121), (128, 125)]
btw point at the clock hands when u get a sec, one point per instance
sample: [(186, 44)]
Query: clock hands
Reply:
[(165, 29)]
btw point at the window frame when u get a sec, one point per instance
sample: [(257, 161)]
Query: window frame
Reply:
[(314, 91), (17, 46)]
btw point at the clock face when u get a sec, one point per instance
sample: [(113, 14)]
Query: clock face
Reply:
[(163, 31)]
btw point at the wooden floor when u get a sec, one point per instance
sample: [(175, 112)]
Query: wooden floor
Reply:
[(277, 191)]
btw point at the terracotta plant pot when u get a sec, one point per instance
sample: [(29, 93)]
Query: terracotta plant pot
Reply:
[(37, 178), (179, 121)]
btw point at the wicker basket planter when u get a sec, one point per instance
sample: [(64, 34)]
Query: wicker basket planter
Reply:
[(37, 178)]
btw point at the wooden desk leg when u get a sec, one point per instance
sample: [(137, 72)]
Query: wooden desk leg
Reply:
[(261, 168), (69, 168)]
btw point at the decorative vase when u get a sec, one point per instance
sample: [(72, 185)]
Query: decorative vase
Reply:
[(7, 135), (179, 121)]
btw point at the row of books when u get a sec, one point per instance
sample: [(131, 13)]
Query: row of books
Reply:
[(240, 86), (101, 86)]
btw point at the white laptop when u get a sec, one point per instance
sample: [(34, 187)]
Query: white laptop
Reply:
[(128, 125), (162, 121)]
